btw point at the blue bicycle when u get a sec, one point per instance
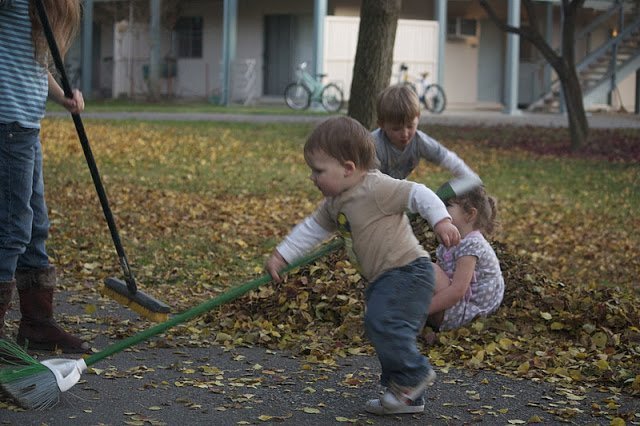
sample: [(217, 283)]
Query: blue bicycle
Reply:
[(299, 94)]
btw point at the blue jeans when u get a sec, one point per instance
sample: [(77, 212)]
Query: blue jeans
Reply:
[(24, 223), (397, 306)]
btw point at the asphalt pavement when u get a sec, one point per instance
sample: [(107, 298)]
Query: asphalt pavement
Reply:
[(171, 381)]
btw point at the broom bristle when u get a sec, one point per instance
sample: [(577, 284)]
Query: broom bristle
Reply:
[(34, 388), (12, 354), (31, 384), (136, 307)]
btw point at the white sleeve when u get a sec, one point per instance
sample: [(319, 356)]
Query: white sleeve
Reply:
[(424, 201), (302, 238), (457, 167)]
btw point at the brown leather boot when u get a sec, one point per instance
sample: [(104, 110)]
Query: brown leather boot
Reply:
[(38, 330), (6, 293)]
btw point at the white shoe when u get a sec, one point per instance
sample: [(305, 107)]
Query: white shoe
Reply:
[(404, 395), (374, 406)]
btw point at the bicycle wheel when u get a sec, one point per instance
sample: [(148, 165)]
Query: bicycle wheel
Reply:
[(434, 98), (332, 97), (297, 96)]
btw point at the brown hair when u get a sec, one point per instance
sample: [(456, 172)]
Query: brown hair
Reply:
[(485, 205), (398, 104), (64, 18), (344, 139)]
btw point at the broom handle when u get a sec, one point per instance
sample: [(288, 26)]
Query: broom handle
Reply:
[(208, 305), (91, 162)]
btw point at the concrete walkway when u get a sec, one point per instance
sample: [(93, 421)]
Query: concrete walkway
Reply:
[(449, 118)]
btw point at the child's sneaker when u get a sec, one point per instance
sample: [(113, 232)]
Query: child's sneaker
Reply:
[(404, 395), (374, 406)]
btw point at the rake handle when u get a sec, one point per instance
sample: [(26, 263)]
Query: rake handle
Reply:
[(209, 305), (86, 148)]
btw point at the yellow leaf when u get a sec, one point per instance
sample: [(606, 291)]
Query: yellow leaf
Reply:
[(573, 397), (311, 410), (599, 339), (546, 315), (265, 418), (602, 364), (505, 343), (617, 421), (523, 368), (222, 337), (556, 325)]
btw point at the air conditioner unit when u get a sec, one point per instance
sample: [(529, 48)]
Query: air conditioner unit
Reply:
[(462, 28)]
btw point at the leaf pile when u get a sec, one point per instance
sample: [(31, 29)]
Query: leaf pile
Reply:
[(543, 329), (316, 312), (198, 213)]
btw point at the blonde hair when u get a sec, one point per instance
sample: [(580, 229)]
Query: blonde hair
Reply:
[(398, 104), (64, 19), (344, 139), (485, 205)]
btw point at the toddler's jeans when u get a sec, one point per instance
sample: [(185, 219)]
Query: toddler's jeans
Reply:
[(397, 307)]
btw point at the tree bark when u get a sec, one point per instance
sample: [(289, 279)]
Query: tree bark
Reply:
[(563, 64), (374, 57)]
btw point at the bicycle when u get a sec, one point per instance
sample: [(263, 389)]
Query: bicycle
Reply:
[(431, 95), (299, 94)]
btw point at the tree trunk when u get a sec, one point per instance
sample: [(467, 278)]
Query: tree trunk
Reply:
[(374, 57), (578, 124), (563, 64), (573, 100)]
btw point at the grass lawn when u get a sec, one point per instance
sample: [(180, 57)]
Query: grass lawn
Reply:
[(201, 205)]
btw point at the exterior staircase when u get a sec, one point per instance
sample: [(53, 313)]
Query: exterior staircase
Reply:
[(601, 69)]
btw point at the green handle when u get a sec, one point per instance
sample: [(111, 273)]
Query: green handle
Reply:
[(208, 305)]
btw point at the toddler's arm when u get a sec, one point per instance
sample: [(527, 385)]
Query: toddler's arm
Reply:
[(447, 233), (454, 291), (424, 201), (433, 151), (300, 240), (457, 167)]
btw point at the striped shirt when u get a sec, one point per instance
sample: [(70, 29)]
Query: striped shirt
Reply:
[(23, 82)]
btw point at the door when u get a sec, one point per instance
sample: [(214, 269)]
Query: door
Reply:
[(278, 53)]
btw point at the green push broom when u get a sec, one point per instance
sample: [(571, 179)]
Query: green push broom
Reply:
[(37, 385), (125, 292)]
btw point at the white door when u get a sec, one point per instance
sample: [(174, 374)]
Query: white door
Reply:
[(416, 45)]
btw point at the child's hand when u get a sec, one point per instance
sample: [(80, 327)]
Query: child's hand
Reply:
[(274, 265), (447, 233), (74, 105)]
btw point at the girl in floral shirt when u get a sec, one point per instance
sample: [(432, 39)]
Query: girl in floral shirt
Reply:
[(469, 281)]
